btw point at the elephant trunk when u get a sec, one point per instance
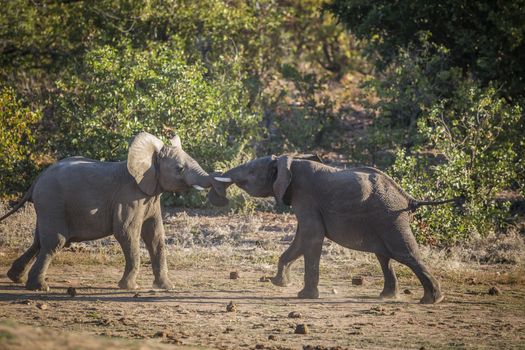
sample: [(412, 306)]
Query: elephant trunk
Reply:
[(197, 177)]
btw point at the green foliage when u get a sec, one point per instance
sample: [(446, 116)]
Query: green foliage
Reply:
[(475, 134), (484, 37), (17, 142), (125, 90)]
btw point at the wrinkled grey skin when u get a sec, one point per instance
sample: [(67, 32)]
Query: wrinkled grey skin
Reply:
[(79, 199), (360, 208)]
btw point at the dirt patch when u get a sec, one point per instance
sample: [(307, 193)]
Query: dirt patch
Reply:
[(195, 312)]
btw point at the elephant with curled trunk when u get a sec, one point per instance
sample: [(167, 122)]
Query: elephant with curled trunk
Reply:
[(79, 199), (358, 208)]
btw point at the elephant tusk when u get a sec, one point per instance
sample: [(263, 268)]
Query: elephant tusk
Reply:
[(197, 187), (223, 179)]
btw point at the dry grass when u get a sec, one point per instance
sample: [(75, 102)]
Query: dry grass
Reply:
[(200, 237)]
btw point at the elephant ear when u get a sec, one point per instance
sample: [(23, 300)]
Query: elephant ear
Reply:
[(175, 141), (142, 152), (217, 193), (283, 179)]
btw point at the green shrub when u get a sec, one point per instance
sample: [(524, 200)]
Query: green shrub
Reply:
[(125, 90), (474, 152), (16, 143)]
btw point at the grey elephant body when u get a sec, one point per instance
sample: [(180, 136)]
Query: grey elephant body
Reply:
[(358, 208), (79, 199), (90, 214)]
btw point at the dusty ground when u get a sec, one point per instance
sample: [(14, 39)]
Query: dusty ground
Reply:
[(203, 250)]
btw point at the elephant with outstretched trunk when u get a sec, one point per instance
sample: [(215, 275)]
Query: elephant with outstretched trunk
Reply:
[(359, 208), (79, 199)]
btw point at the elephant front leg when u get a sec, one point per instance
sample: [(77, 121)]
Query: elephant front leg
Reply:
[(294, 251), (129, 241), (153, 236), (312, 246)]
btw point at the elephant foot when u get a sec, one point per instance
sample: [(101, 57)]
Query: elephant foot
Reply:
[(308, 294), (163, 284), (37, 285), (432, 298), (389, 294), (16, 276), (127, 284), (280, 281)]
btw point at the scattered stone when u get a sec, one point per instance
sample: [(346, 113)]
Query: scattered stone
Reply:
[(72, 292), (358, 280), (24, 302), (136, 295), (265, 279), (231, 307), (407, 291), (163, 334), (494, 291), (259, 346), (320, 347), (272, 337), (42, 306), (334, 291), (234, 275), (301, 329), (295, 314), (228, 330)]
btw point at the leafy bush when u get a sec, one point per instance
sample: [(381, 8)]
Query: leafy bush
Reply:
[(475, 152), (16, 143), (124, 90)]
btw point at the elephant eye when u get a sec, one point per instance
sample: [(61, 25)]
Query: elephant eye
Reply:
[(179, 168)]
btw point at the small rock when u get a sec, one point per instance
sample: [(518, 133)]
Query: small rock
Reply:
[(24, 302), (231, 307), (295, 314), (334, 291), (234, 275), (163, 334), (259, 346), (407, 291), (301, 329), (228, 330), (358, 280), (136, 295), (42, 306), (264, 279), (272, 337), (494, 291), (72, 292)]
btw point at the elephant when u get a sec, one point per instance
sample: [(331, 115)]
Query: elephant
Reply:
[(78, 199), (359, 208)]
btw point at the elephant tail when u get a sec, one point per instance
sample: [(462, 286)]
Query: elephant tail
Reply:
[(414, 203), (25, 198)]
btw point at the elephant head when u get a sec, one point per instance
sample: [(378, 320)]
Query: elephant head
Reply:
[(261, 177), (157, 167)]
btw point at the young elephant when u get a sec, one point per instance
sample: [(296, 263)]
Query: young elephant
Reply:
[(359, 208), (79, 199)]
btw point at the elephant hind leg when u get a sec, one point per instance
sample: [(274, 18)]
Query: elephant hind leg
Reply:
[(390, 289), (403, 248), (18, 271), (432, 290), (50, 244)]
